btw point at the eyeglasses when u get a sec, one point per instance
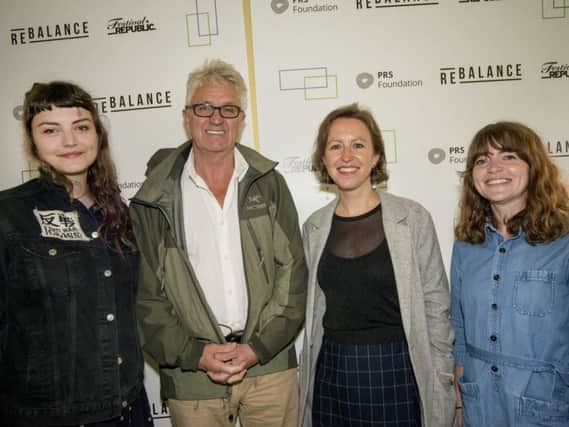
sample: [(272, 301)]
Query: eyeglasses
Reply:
[(206, 110)]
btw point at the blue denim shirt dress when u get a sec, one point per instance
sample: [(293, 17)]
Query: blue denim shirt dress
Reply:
[(510, 312)]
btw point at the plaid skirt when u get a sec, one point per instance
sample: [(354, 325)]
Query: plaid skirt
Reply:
[(365, 385)]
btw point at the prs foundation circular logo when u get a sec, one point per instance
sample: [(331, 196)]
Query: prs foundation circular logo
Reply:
[(18, 112), (279, 6), (364, 80), (436, 155)]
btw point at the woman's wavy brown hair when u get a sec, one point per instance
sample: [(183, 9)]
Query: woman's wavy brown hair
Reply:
[(379, 173), (546, 216), (101, 176)]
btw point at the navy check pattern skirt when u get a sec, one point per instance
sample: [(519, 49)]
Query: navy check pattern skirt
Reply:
[(365, 385)]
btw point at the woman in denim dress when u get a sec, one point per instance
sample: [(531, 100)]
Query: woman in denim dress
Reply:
[(69, 352), (510, 283)]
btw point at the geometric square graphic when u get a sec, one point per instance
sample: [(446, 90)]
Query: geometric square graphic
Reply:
[(390, 142), (554, 9), (202, 24), (315, 82), (193, 21), (294, 78), (208, 7), (320, 87)]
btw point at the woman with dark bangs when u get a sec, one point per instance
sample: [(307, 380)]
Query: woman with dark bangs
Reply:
[(69, 352), (510, 283)]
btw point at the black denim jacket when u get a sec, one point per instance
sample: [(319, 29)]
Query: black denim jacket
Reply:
[(69, 352)]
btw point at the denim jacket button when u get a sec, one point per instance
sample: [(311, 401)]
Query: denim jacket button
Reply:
[(108, 273), (494, 368), (119, 360), (493, 337), (110, 317), (52, 252), (124, 403), (95, 234)]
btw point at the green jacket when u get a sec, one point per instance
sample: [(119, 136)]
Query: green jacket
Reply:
[(175, 320)]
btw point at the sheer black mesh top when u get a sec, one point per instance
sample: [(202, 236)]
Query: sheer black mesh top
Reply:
[(356, 275)]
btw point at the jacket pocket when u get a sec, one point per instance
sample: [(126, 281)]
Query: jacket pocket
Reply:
[(533, 413), (471, 409), (534, 292)]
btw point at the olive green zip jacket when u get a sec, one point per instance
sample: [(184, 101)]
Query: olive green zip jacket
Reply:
[(175, 321)]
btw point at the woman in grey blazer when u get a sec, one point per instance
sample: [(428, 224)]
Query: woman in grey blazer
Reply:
[(378, 340)]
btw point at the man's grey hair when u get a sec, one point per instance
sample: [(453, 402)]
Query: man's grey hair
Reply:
[(217, 71)]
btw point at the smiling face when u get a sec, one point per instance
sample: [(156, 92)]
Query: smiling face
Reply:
[(214, 134), (349, 156), (501, 177), (66, 139)]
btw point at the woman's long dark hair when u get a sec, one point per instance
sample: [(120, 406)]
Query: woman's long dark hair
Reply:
[(101, 175)]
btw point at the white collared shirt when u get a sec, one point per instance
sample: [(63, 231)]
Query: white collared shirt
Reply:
[(213, 242)]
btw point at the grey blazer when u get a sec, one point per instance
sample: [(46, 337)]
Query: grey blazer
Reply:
[(424, 299)]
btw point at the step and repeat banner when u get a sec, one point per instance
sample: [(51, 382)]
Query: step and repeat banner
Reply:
[(432, 72)]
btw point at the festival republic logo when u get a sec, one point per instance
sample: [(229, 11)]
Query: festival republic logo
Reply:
[(466, 74), (124, 26), (386, 79), (49, 33), (315, 82), (202, 24), (554, 70)]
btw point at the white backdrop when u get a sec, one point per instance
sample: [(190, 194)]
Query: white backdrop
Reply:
[(433, 72)]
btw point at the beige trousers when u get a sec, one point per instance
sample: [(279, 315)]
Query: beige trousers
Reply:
[(265, 401)]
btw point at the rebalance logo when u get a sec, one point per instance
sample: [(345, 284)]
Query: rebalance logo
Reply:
[(477, 1), (554, 70), (315, 82), (554, 9), (134, 101), (558, 148), (49, 33), (378, 4), (123, 26), (480, 74), (386, 79)]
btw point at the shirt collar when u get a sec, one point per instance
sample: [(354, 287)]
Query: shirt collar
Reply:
[(241, 167), (492, 232)]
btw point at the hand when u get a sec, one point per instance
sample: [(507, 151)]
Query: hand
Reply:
[(243, 357), (216, 361), (458, 372)]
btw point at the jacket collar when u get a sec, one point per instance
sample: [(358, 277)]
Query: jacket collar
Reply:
[(393, 211), (163, 176)]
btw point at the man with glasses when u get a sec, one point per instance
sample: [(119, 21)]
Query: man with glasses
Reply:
[(223, 279)]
